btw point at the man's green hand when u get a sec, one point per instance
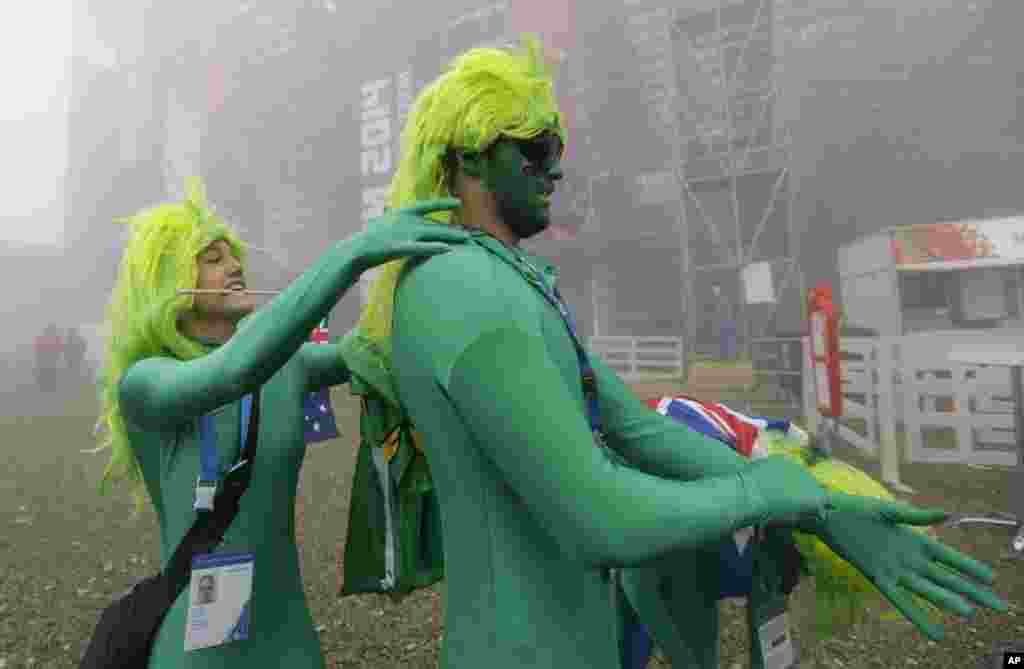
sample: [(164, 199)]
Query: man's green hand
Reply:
[(403, 233), (901, 562), (869, 533), (882, 509)]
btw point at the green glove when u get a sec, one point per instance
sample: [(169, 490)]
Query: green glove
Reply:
[(900, 561), (787, 490), (400, 233)]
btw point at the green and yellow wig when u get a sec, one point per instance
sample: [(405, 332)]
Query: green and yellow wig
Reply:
[(485, 94), (159, 260)]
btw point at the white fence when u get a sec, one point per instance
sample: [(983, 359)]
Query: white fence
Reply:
[(641, 357), (946, 412), (949, 412)]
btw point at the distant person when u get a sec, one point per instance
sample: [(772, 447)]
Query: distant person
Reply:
[(49, 348), (175, 357), (725, 322), (75, 348)]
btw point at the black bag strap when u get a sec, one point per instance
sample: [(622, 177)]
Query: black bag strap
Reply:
[(208, 530)]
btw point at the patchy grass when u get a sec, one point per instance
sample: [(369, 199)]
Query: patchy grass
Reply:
[(932, 436), (67, 552), (721, 364)]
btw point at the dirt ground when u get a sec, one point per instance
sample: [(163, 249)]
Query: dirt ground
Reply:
[(65, 552)]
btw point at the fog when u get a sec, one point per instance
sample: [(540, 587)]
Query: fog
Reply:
[(751, 156), (35, 47), (741, 178)]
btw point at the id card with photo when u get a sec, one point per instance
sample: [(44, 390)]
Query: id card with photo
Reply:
[(219, 603), (776, 643)]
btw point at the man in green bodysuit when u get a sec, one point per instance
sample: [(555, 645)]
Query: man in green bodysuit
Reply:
[(174, 357), (536, 506)]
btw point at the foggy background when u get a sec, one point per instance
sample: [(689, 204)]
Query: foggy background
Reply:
[(724, 158), (796, 127)]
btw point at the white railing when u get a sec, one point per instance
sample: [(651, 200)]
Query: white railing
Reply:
[(640, 357), (949, 412)]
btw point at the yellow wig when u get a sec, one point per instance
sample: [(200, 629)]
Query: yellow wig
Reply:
[(159, 260), (485, 94)]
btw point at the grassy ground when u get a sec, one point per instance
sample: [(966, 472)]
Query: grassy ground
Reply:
[(65, 552)]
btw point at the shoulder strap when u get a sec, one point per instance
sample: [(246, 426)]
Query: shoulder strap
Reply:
[(208, 530)]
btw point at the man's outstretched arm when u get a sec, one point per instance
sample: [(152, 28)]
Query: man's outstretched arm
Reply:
[(514, 401), (896, 559)]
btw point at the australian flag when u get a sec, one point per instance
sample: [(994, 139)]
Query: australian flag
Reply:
[(319, 416)]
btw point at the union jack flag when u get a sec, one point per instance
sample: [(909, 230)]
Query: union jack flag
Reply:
[(319, 415), (737, 430)]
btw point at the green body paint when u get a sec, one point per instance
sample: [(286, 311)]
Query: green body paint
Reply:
[(522, 187)]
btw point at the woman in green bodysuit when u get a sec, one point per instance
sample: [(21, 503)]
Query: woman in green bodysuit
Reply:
[(174, 357)]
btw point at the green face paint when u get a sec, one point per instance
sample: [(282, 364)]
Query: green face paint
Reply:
[(522, 176)]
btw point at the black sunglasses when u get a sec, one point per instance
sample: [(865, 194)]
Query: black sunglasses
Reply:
[(540, 150)]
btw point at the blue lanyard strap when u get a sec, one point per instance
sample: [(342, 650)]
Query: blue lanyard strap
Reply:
[(587, 378), (210, 471)]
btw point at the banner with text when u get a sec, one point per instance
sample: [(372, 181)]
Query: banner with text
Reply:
[(994, 239)]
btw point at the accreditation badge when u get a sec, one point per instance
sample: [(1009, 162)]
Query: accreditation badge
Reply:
[(773, 636), (220, 598), (768, 609)]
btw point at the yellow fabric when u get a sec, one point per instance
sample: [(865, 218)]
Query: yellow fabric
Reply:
[(393, 441)]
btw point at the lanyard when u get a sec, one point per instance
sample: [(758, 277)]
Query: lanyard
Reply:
[(587, 377), (206, 484)]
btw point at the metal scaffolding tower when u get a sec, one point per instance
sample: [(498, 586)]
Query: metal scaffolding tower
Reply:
[(709, 76), (737, 181)]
